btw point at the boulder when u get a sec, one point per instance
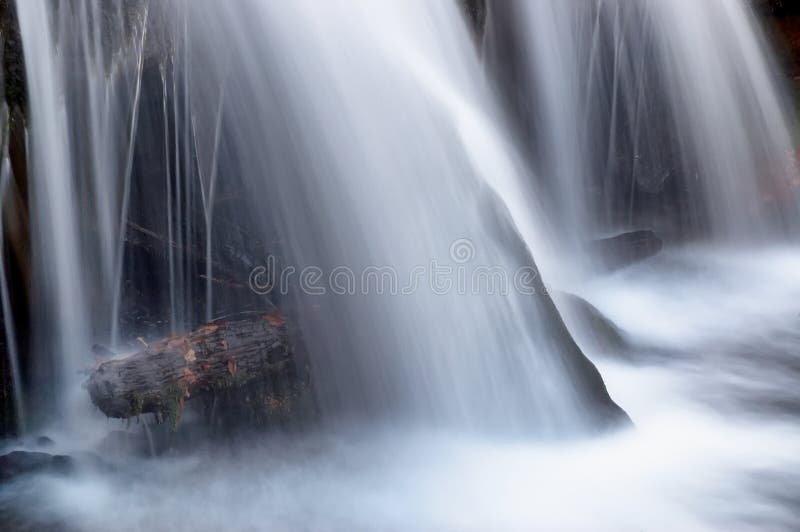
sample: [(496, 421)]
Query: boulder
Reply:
[(596, 411), (18, 463)]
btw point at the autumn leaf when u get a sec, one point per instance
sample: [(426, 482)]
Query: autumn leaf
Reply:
[(190, 356), (232, 366)]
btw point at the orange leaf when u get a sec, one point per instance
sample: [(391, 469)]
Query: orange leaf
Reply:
[(232, 366)]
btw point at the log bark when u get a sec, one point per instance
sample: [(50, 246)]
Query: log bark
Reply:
[(237, 353)]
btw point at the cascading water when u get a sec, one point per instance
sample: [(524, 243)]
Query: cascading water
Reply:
[(350, 182), (86, 75), (61, 316), (5, 297), (659, 114), (177, 147)]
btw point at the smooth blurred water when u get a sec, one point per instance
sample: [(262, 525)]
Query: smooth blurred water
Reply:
[(365, 133), (692, 463), (659, 114), (60, 314)]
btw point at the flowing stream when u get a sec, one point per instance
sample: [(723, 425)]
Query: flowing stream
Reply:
[(378, 143)]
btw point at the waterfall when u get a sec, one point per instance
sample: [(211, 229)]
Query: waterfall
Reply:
[(656, 114), (369, 142), (397, 195), (61, 317)]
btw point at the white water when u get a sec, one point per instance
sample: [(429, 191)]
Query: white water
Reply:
[(709, 451), (662, 114), (372, 142), (60, 313), (401, 197), (365, 132)]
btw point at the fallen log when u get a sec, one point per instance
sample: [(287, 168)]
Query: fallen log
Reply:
[(240, 353)]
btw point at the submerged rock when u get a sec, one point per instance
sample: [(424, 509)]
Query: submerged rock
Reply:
[(17, 463), (603, 332), (44, 441), (625, 249), (594, 409)]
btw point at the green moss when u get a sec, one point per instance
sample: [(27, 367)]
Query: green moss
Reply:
[(174, 397), (137, 405)]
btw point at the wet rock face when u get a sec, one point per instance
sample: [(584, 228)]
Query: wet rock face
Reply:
[(44, 441), (13, 64), (782, 22), (602, 332), (13, 93), (596, 409), (475, 10), (777, 7)]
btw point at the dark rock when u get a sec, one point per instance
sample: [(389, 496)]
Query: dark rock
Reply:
[(600, 411), (12, 57), (475, 10), (44, 441), (18, 463), (586, 318), (597, 410), (777, 8), (625, 249)]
